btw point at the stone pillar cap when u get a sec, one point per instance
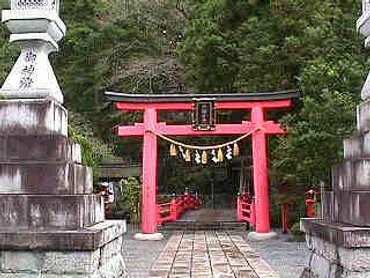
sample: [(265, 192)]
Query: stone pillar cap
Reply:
[(34, 21)]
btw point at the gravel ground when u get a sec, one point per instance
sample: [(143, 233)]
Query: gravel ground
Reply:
[(140, 255), (287, 258)]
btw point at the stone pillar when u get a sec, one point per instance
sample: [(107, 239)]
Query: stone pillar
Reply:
[(340, 241), (51, 223)]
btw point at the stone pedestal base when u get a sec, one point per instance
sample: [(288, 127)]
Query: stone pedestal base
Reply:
[(337, 250), (51, 223), (148, 237), (94, 252), (253, 236)]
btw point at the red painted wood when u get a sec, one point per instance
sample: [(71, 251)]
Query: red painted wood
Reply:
[(131, 131), (150, 172), (310, 203), (181, 106), (269, 127), (246, 209), (239, 204), (260, 174), (175, 106), (249, 105), (170, 212)]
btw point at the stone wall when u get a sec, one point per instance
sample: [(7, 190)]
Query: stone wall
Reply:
[(333, 261), (106, 261)]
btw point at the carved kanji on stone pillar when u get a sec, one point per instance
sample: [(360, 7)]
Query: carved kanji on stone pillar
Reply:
[(36, 27)]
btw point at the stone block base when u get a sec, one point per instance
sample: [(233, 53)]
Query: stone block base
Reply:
[(363, 116), (347, 207), (253, 236), (347, 236), (323, 267), (98, 259), (149, 237), (32, 116), (337, 250), (107, 262), (50, 211)]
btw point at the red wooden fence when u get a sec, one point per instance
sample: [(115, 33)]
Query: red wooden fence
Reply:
[(246, 209), (172, 211)]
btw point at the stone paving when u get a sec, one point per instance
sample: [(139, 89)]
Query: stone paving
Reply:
[(286, 257), (140, 255), (209, 215), (209, 254)]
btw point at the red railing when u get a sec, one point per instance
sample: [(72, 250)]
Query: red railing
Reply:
[(172, 211), (246, 209)]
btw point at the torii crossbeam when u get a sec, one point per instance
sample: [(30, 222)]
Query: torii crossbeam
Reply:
[(151, 105)]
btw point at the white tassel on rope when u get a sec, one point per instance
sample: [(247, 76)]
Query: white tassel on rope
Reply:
[(183, 155), (198, 158), (229, 153), (214, 156)]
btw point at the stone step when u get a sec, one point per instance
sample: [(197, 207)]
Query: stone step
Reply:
[(340, 234), (204, 226), (363, 117), (347, 207), (39, 147), (50, 211), (84, 239), (32, 117), (352, 175), (357, 146), (45, 178)]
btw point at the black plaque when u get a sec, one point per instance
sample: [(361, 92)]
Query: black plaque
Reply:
[(204, 114)]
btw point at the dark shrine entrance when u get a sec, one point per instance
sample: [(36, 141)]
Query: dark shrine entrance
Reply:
[(218, 184), (204, 107)]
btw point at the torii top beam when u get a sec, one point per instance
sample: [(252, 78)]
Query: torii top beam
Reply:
[(258, 103), (177, 102)]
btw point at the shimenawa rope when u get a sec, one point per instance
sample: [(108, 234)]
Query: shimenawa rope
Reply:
[(203, 148)]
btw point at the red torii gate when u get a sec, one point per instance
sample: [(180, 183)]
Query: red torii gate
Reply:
[(152, 104)]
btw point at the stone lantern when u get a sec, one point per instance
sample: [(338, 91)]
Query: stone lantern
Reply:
[(339, 242), (51, 222), (36, 27)]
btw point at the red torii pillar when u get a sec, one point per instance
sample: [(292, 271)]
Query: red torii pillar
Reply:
[(150, 174), (150, 150), (260, 173)]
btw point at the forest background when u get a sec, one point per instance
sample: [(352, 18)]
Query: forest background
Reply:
[(158, 46)]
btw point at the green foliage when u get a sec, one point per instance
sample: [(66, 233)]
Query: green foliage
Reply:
[(8, 53), (296, 232), (130, 199), (87, 149), (258, 46), (211, 50), (314, 142), (94, 150)]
